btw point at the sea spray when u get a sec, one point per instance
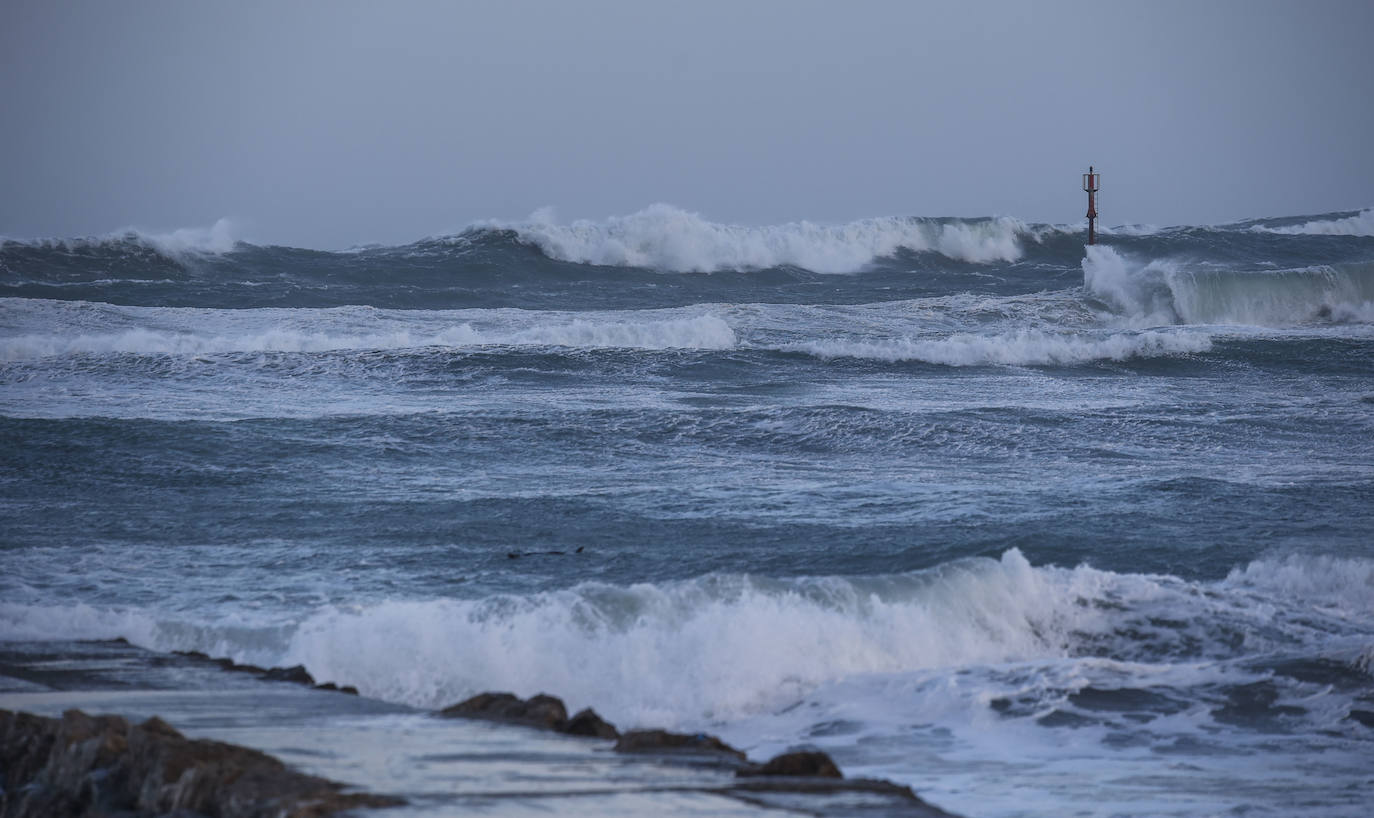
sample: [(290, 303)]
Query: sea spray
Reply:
[(663, 237)]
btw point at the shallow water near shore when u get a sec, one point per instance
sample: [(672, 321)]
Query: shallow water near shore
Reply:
[(1030, 527)]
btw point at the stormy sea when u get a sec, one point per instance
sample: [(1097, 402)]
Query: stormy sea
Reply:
[(1030, 526)]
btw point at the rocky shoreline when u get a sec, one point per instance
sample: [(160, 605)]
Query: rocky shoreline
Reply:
[(83, 766), (86, 766), (802, 772)]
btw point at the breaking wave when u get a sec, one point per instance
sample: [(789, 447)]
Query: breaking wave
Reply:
[(720, 647), (1023, 348), (1361, 224), (1163, 291), (663, 237), (1341, 585), (217, 239)]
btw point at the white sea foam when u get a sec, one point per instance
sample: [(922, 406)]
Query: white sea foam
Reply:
[(698, 332), (712, 648), (1361, 224), (219, 237), (720, 648), (667, 238), (1163, 291), (78, 621), (1021, 348), (1342, 585), (1137, 290)]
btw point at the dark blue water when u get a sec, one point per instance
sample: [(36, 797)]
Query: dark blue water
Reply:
[(915, 491)]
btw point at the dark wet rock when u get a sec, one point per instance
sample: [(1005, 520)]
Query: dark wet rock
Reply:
[(661, 741), (588, 723), (549, 711), (234, 667), (807, 764), (330, 686), (542, 711), (813, 776), (296, 674), (82, 766)]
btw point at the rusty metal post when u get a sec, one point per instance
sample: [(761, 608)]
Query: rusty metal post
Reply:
[(1091, 183)]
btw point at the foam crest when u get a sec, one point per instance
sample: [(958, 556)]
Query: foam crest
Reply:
[(1023, 348), (1131, 288), (1341, 585), (1361, 224), (667, 238), (218, 238)]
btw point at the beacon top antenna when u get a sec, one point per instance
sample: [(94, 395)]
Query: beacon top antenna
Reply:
[(1091, 183)]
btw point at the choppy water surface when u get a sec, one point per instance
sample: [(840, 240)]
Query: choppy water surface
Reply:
[(1032, 527)]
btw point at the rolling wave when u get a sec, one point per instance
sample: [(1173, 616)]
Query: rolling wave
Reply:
[(1274, 272), (954, 332), (1164, 291), (723, 647), (662, 237), (217, 239), (1019, 348), (1360, 224)]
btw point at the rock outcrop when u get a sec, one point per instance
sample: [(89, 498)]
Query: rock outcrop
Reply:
[(805, 772), (810, 764), (82, 766), (586, 722), (546, 712), (296, 674), (542, 711), (662, 741)]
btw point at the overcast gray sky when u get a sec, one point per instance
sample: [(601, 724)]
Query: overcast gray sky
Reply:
[(327, 124)]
